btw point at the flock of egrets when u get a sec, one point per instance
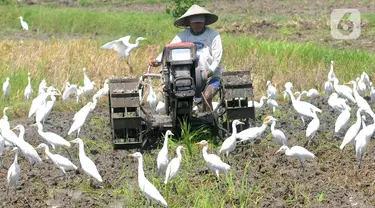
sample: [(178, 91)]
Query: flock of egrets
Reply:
[(41, 107)]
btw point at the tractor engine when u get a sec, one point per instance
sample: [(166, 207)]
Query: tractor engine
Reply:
[(182, 80)]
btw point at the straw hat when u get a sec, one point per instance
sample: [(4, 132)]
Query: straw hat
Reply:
[(195, 10)]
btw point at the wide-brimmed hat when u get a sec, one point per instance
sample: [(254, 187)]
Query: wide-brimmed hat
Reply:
[(192, 11)]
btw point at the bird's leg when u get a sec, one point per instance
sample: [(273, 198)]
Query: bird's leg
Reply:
[(303, 120), (130, 67), (68, 153), (360, 161), (174, 188), (302, 166)]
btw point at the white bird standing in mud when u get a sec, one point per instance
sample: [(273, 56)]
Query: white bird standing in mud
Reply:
[(70, 89), (352, 131), (361, 102), (14, 171), (45, 109), (342, 120), (146, 187), (288, 86), (338, 104), (303, 108), (362, 140), (53, 139), (162, 159), (313, 93), (88, 166), (174, 165), (312, 128), (42, 87), (271, 90), (343, 90), (272, 103), (328, 88), (28, 90), (103, 91), (88, 85), (250, 134), (63, 163), (151, 98), (331, 74), (296, 151), (24, 24), (6, 88), (278, 136), (81, 116), (256, 104), (213, 161), (123, 47), (229, 143)]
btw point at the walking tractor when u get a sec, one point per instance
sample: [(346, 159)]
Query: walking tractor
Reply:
[(135, 124)]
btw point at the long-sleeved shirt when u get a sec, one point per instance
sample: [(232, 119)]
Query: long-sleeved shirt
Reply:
[(209, 48)]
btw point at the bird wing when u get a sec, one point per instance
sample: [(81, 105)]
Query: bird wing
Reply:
[(248, 134), (56, 139), (90, 168), (109, 45), (125, 40), (299, 151), (216, 162), (151, 191), (342, 120), (63, 162)]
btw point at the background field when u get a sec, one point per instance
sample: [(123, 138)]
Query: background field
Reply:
[(277, 40)]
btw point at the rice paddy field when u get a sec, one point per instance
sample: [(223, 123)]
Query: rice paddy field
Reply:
[(281, 41)]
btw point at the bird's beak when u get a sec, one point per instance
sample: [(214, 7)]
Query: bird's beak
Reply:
[(276, 152), (241, 123), (13, 129), (36, 148), (198, 143), (130, 155), (33, 124), (184, 148), (73, 141)]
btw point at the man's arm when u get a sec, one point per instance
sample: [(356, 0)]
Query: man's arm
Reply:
[(217, 53)]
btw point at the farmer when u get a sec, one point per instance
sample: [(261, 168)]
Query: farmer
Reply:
[(208, 43)]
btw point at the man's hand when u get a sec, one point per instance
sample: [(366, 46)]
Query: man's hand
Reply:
[(153, 63)]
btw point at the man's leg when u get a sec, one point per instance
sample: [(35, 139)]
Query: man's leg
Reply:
[(209, 93)]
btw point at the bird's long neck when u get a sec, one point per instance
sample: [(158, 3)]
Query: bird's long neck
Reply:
[(81, 149), (179, 155), (273, 125), (28, 80), (263, 127), (16, 157), (46, 150), (204, 152), (137, 42), (22, 133), (261, 101), (234, 129), (151, 90), (291, 96), (359, 118), (141, 173), (165, 144), (287, 151)]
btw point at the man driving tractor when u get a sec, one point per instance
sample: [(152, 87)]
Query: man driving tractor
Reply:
[(208, 44)]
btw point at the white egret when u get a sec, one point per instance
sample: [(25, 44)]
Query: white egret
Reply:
[(87, 165), (80, 92), (53, 139), (361, 87), (27, 150), (278, 136), (372, 92), (328, 87), (288, 86), (81, 116), (363, 121), (361, 142), (103, 91), (174, 165), (303, 108), (162, 159), (14, 171), (296, 151), (40, 100), (312, 93), (229, 143), (70, 89), (123, 47), (300, 94), (338, 104), (365, 78), (44, 109), (6, 88), (271, 90), (63, 163), (160, 108), (88, 85), (4, 123), (146, 187), (151, 98), (2, 149), (343, 90), (331, 74), (313, 127), (271, 102), (28, 90), (342, 120), (250, 134), (42, 87), (256, 104), (213, 161), (352, 131), (24, 24), (361, 102)]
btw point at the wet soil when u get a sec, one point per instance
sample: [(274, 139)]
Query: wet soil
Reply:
[(278, 179)]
